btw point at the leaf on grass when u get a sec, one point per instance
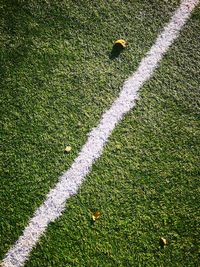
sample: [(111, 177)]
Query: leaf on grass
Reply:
[(122, 43), (163, 241), (68, 149), (96, 215)]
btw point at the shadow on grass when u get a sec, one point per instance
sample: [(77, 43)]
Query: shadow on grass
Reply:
[(116, 51)]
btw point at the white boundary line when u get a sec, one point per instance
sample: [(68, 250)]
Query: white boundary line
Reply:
[(71, 180)]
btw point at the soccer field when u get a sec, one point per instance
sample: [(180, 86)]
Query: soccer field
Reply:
[(57, 80)]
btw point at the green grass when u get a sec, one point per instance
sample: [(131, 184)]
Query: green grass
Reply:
[(57, 81)]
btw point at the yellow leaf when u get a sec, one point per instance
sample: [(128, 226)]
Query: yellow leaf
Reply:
[(96, 215), (163, 241), (121, 42), (68, 149)]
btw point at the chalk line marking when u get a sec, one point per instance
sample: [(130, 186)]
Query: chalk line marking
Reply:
[(71, 180)]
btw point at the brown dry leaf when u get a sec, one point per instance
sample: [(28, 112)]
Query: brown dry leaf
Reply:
[(96, 215)]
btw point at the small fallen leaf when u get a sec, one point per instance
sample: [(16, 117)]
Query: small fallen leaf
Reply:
[(68, 149), (96, 215), (163, 241), (121, 42)]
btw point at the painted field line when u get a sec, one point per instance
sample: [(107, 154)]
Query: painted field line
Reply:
[(71, 180)]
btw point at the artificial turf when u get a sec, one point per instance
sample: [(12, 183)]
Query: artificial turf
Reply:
[(57, 80)]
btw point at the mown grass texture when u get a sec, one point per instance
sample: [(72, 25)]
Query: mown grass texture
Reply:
[(57, 81)]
